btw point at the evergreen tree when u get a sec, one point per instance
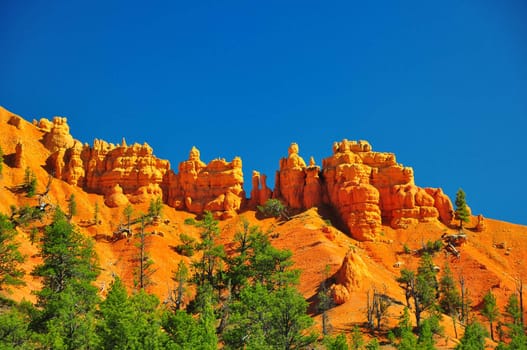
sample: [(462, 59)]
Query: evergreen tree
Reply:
[(325, 302), (30, 182), (181, 276), (516, 333), (426, 333), (128, 211), (207, 266), (183, 330), (421, 287), (450, 299), (264, 319), (462, 213), (207, 324), (289, 319), (155, 207), (72, 206), (117, 328), (357, 341), (490, 310), (14, 329), (474, 337), (372, 345), (11, 273), (148, 322), (407, 339), (144, 272), (512, 310), (67, 298), (336, 343), (274, 208)]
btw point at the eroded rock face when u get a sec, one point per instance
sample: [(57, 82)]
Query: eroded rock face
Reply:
[(58, 136), (137, 171), (260, 193), (349, 278), (215, 187), (291, 178), (124, 173), (367, 189)]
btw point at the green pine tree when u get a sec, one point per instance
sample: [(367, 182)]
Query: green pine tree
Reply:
[(474, 337), (490, 310), (11, 273), (336, 343), (128, 211), (450, 298), (117, 328), (30, 182), (72, 206), (462, 213), (14, 327), (67, 300)]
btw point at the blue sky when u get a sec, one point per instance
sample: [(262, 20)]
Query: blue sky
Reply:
[(443, 85)]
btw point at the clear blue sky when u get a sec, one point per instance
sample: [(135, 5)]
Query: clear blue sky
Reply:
[(443, 85)]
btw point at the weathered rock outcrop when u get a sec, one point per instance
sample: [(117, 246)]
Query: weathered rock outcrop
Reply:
[(366, 188), (19, 155), (139, 173), (260, 193), (118, 172), (349, 278), (125, 173), (58, 136), (215, 187)]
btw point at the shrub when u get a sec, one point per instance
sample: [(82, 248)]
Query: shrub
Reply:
[(273, 208), (189, 221), (187, 246)]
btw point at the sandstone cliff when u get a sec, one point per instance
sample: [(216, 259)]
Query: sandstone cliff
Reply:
[(133, 174), (367, 189), (215, 187)]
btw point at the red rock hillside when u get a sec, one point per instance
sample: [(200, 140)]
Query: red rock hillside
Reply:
[(388, 217)]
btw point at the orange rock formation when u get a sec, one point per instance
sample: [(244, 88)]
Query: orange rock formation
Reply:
[(215, 187), (126, 174), (366, 188)]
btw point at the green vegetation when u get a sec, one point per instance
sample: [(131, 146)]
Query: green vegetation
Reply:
[(67, 301), (128, 211), (72, 206), (30, 183), (11, 273), (490, 310), (462, 213), (432, 247), (474, 337), (25, 215), (144, 271), (421, 286), (273, 208), (155, 207), (187, 246), (244, 296), (450, 299)]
